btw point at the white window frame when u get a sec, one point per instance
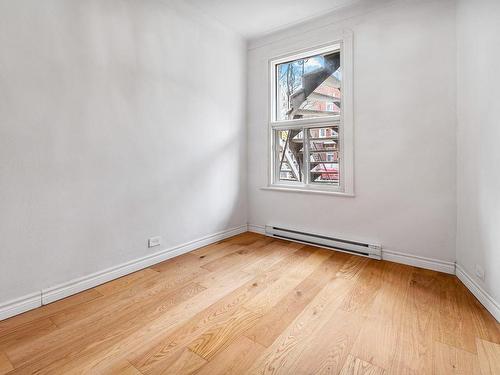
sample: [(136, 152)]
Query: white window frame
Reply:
[(346, 127)]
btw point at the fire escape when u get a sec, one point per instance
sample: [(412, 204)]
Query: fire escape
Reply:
[(293, 156)]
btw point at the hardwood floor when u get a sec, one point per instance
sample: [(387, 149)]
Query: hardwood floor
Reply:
[(255, 305)]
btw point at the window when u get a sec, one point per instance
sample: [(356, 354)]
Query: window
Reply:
[(311, 119)]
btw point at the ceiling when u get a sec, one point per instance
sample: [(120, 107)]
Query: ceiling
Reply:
[(253, 18)]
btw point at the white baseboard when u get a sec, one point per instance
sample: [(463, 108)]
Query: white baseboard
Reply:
[(34, 300), (20, 305), (486, 300), (261, 229), (418, 261), (77, 285), (69, 288), (394, 256), (431, 264)]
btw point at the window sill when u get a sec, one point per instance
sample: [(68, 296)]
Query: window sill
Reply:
[(307, 191)]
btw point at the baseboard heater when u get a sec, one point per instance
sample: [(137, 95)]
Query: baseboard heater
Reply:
[(347, 246)]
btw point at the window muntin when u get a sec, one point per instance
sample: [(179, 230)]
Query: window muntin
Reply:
[(308, 122)]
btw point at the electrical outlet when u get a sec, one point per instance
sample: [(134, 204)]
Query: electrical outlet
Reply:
[(154, 241), (479, 272)]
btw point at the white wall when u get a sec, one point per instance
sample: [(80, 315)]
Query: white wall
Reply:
[(405, 130), (478, 236), (99, 101), (119, 120)]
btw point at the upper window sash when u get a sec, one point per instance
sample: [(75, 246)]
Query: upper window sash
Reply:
[(333, 47)]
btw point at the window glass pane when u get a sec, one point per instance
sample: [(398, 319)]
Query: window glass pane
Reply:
[(290, 155), (324, 155), (309, 87)]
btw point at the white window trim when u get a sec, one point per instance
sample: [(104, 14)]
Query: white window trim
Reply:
[(346, 132)]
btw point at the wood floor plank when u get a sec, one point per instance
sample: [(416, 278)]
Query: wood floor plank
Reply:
[(121, 367), (246, 238), (414, 349), (159, 350), (248, 253), (236, 242), (377, 341), (276, 251), (184, 263), (159, 321), (217, 338), (56, 351), (454, 324), (489, 357), (360, 299), (26, 334), (450, 360), (209, 311), (6, 326), (413, 354), (391, 297), (149, 358), (216, 247), (235, 359), (5, 365), (422, 297), (356, 366), (155, 284), (210, 256), (281, 356), (485, 325), (353, 267), (124, 282), (229, 260), (100, 307), (184, 362), (286, 310), (265, 301), (282, 267), (75, 323), (326, 353)]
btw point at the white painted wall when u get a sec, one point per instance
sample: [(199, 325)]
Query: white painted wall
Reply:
[(119, 120), (99, 99), (266, 15), (478, 235), (405, 130)]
